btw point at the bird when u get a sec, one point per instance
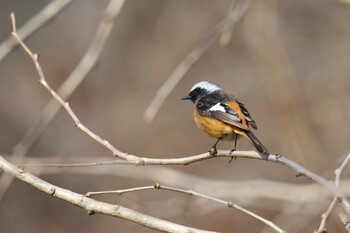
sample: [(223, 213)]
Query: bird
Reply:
[(222, 116)]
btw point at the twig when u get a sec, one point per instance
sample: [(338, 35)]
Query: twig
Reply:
[(346, 221), (191, 193), (66, 89), (175, 77), (338, 172), (63, 103), (67, 165), (36, 22), (93, 206)]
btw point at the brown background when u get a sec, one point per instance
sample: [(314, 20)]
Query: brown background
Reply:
[(288, 62)]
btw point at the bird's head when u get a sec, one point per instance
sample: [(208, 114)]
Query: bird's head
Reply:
[(201, 89)]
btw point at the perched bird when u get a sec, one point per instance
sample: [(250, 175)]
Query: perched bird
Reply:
[(222, 116)]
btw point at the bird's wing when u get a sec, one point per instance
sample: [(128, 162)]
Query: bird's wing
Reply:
[(223, 112), (247, 115)]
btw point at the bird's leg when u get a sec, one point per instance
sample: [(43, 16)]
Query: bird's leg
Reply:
[(233, 149), (213, 150)]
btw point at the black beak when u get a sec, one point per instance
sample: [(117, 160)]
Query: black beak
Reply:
[(187, 97)]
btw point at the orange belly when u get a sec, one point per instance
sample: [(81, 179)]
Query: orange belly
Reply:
[(214, 128)]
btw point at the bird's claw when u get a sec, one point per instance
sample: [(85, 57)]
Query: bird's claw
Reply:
[(213, 151), (233, 150)]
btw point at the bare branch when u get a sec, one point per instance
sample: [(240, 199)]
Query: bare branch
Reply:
[(61, 101), (312, 194), (36, 22), (175, 77), (66, 89), (93, 206), (346, 221), (338, 172), (191, 193)]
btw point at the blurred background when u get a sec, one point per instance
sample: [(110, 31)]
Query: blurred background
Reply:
[(288, 61)]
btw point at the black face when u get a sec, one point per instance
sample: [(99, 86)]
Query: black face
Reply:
[(195, 94)]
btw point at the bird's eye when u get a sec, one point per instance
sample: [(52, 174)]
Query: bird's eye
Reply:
[(197, 90)]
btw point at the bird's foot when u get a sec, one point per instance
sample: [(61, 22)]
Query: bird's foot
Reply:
[(213, 151), (231, 151)]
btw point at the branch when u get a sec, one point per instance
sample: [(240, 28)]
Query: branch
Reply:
[(346, 221), (93, 206), (66, 89), (248, 192), (36, 22), (192, 58), (56, 96), (192, 193), (338, 172)]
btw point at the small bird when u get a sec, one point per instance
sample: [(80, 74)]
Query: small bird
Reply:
[(222, 116)]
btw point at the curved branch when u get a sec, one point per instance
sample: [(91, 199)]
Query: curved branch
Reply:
[(192, 193)]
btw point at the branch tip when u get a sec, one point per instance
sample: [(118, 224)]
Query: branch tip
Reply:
[(13, 19)]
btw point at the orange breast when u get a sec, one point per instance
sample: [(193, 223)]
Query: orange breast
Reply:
[(214, 128)]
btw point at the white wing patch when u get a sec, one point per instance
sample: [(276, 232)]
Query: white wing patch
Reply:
[(218, 107)]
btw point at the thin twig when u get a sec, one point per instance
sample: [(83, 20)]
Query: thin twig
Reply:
[(32, 25), (191, 193), (346, 221), (67, 165), (118, 192), (93, 206), (62, 102), (175, 77), (338, 172)]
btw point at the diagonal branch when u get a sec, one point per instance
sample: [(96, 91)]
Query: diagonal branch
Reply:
[(66, 89), (338, 172), (93, 206), (191, 193)]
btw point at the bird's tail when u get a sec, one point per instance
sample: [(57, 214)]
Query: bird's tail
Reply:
[(255, 142)]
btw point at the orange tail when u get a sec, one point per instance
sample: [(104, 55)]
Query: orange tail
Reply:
[(255, 142)]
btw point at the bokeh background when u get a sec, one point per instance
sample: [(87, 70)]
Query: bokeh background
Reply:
[(288, 61)]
